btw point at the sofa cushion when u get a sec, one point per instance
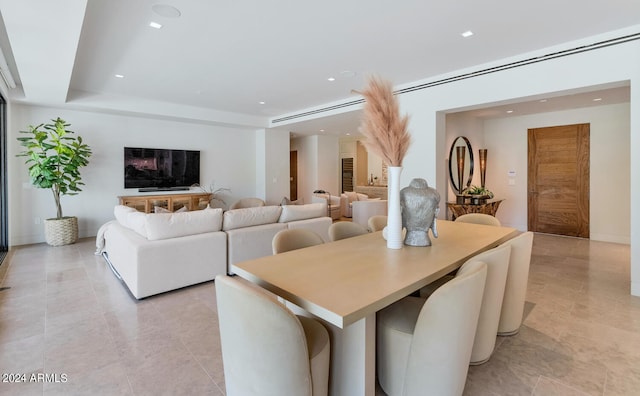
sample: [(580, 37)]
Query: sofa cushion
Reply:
[(302, 212), (132, 219), (247, 217), (121, 212), (172, 225)]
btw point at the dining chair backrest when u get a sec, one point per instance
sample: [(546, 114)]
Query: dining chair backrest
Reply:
[(515, 290), (497, 260), (264, 348), (424, 346), (478, 218), (345, 229), (247, 203), (377, 223), (294, 238)]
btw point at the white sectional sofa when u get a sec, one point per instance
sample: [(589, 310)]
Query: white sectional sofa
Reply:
[(155, 253)]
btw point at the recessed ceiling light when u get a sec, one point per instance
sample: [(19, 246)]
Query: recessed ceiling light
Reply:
[(331, 79), (119, 76), (509, 111), (262, 102), (348, 134), (466, 34), (166, 10), (542, 100), (597, 99), (155, 25), (322, 130)]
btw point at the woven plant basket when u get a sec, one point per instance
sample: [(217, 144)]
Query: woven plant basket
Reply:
[(60, 232)]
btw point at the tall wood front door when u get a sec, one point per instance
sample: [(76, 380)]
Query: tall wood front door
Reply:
[(558, 180)]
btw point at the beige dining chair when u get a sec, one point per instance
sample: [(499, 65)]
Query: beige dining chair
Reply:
[(478, 218), (345, 229), (424, 346), (515, 290), (497, 261), (247, 203), (266, 349), (377, 223), (295, 238)]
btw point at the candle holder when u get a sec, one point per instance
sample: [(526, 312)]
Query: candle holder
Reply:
[(483, 165)]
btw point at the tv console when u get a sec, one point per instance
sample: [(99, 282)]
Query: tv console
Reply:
[(172, 202)]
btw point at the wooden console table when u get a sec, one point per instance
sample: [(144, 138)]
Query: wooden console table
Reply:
[(490, 208), (172, 202)]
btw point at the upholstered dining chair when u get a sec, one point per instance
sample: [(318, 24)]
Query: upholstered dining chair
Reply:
[(478, 218), (497, 261), (294, 238), (377, 223), (266, 349), (247, 203), (345, 229), (515, 290), (424, 347)]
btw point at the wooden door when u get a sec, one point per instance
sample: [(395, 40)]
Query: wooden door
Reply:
[(293, 175), (558, 180)]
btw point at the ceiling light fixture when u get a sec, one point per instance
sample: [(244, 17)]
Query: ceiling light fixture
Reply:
[(155, 25), (542, 100), (597, 99), (331, 79), (118, 76), (166, 10), (509, 111), (262, 102), (466, 34)]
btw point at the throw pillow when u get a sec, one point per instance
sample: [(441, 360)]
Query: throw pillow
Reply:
[(351, 195)]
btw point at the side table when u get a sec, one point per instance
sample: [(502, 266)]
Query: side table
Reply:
[(490, 208)]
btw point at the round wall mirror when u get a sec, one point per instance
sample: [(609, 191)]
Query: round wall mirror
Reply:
[(460, 164)]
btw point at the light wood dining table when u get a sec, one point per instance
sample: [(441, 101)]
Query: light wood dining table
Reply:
[(344, 284)]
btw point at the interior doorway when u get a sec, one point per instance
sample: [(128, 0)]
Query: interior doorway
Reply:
[(558, 180), (293, 175)]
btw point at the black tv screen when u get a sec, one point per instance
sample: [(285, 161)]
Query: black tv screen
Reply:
[(160, 169)]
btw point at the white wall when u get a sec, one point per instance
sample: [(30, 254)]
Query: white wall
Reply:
[(227, 157), (318, 165), (506, 141), (307, 148), (272, 165)]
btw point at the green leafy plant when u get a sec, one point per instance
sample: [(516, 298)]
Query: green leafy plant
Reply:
[(476, 190), (55, 157)]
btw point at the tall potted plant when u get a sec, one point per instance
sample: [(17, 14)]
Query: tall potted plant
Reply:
[(55, 156)]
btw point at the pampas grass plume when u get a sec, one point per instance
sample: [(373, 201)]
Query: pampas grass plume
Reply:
[(384, 129)]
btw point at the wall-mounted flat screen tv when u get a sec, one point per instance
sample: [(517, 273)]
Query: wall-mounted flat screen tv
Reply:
[(150, 169)]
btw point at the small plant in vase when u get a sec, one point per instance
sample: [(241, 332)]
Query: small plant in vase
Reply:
[(478, 194), (216, 200), (55, 156)]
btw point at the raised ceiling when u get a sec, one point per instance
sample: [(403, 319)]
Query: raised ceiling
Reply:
[(218, 60)]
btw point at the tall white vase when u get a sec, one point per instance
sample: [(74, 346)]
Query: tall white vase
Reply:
[(394, 214)]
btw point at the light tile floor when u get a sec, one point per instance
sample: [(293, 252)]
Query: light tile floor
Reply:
[(66, 316)]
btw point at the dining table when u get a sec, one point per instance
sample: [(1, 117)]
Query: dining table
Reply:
[(344, 283)]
